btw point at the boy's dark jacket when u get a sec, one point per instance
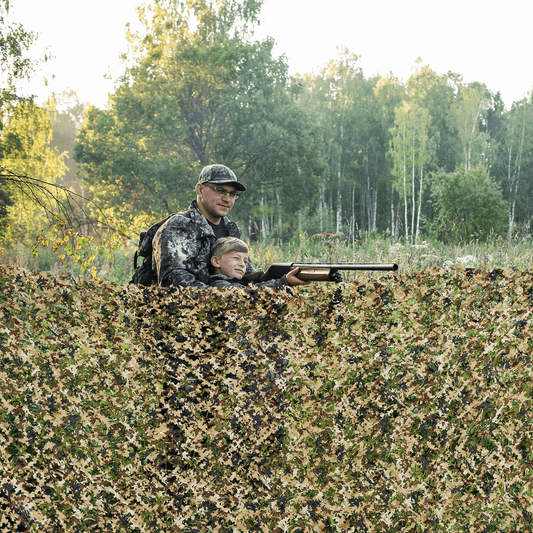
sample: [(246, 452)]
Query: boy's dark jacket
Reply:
[(218, 280)]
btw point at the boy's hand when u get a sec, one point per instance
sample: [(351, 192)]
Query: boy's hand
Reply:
[(293, 280)]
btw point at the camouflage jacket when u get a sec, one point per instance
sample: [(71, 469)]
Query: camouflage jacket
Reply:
[(218, 280), (182, 249)]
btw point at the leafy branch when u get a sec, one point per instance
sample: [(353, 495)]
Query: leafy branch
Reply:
[(69, 220), (58, 202)]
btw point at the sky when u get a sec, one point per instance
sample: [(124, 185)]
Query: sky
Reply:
[(484, 41)]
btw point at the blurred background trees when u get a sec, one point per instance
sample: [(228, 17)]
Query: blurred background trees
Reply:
[(331, 151)]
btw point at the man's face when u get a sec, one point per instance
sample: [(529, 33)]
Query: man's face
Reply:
[(232, 264), (215, 204)]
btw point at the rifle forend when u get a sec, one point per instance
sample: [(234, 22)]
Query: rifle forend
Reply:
[(316, 271)]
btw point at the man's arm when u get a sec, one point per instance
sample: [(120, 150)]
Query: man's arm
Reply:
[(179, 255)]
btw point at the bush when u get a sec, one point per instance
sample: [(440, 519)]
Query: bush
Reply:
[(469, 205)]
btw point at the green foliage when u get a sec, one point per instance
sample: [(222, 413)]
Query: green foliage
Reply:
[(429, 90), (25, 150), (15, 41), (513, 164), (67, 120), (319, 152), (194, 97), (469, 205), (401, 402), (412, 151), (470, 110), (78, 253), (354, 139)]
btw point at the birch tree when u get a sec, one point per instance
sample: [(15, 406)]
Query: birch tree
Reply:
[(469, 111), (355, 141), (390, 94), (435, 93), (518, 140), (411, 151)]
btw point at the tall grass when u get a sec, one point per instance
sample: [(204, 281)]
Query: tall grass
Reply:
[(375, 248), (370, 248)]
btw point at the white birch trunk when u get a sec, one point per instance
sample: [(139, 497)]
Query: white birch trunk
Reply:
[(405, 185), (423, 149), (338, 224), (413, 158), (339, 208), (322, 208), (519, 164), (353, 215), (392, 214), (374, 208), (510, 210)]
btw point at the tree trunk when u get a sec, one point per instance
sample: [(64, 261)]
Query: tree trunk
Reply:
[(353, 214), (510, 210), (513, 186), (322, 208), (421, 182), (339, 209), (339, 185), (374, 207), (413, 158), (405, 185)]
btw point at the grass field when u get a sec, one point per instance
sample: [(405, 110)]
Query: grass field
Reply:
[(117, 265)]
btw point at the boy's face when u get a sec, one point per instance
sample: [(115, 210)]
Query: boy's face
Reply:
[(232, 264)]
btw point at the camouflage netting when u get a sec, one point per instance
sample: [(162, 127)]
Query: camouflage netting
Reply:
[(402, 403)]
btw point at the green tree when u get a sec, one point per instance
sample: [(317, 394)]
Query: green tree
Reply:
[(470, 110), (274, 145), (391, 94), (469, 205), (26, 150), (412, 151), (15, 41), (15, 65), (344, 105), (435, 93), (198, 90), (144, 151), (514, 166)]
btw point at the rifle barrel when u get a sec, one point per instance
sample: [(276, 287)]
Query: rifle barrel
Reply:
[(348, 266)]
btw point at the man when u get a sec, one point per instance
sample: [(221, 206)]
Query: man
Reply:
[(181, 247)]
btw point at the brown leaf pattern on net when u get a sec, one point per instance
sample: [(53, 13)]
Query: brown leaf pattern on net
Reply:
[(399, 404)]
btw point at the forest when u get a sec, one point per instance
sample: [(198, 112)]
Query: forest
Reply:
[(325, 152)]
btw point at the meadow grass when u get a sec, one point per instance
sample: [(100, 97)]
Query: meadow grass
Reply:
[(498, 252)]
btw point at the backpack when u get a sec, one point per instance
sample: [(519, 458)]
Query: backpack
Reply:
[(144, 274)]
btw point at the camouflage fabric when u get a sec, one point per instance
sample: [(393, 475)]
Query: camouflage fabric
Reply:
[(219, 280), (182, 249)]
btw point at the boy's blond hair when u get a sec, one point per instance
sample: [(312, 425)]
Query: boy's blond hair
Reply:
[(227, 245)]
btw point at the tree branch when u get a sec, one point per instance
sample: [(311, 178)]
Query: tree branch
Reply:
[(58, 202)]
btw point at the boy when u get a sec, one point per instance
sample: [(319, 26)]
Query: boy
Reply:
[(229, 257)]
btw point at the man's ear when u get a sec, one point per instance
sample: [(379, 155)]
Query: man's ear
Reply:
[(215, 261)]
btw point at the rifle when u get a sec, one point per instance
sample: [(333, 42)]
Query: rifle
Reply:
[(316, 271)]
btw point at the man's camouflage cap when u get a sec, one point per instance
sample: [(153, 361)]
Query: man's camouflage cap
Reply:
[(221, 175)]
